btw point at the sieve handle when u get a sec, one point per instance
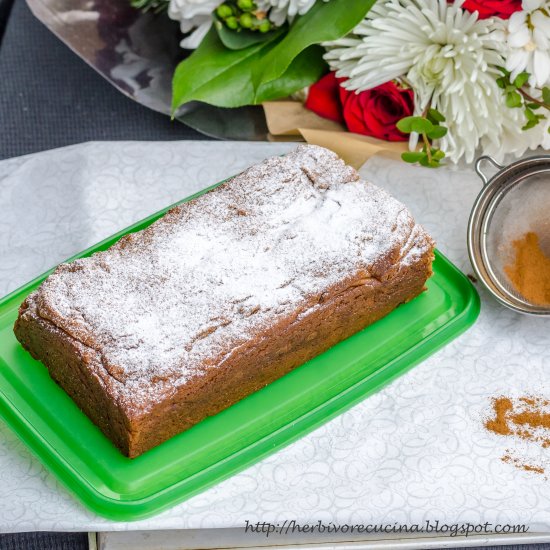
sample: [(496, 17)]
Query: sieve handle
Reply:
[(479, 164)]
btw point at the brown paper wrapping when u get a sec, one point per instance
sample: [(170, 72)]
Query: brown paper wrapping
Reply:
[(291, 121)]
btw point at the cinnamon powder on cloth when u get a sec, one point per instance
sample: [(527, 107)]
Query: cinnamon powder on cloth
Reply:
[(521, 465), (524, 419), (530, 271)]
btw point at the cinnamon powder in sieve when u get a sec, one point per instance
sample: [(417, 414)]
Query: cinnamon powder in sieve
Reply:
[(530, 271)]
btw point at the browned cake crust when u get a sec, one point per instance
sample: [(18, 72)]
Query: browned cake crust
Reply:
[(79, 364)]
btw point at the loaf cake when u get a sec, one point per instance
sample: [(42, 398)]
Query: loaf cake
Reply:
[(223, 295)]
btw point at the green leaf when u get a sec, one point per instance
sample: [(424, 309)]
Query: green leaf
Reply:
[(405, 124), (437, 133), (438, 155), (225, 78), (216, 75), (521, 79), (241, 38), (530, 124), (513, 99), (501, 82), (429, 163), (413, 156), (546, 95), (324, 22), (425, 161), (435, 116), (532, 119), (530, 115), (306, 68), (533, 106), (422, 125), (414, 124)]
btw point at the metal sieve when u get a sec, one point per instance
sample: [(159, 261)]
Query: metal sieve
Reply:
[(513, 202)]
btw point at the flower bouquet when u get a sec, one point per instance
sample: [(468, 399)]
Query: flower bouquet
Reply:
[(449, 78)]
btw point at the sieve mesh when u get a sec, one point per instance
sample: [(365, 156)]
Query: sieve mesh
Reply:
[(523, 206)]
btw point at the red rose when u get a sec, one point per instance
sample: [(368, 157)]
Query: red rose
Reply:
[(373, 112), (489, 8), (323, 98)]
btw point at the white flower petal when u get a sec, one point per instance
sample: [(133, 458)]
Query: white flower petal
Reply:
[(541, 63), (517, 62), (520, 38), (531, 5), (285, 10), (541, 21), (193, 14), (195, 38), (540, 39), (517, 20)]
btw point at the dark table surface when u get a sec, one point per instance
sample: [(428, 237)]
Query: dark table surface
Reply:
[(50, 98)]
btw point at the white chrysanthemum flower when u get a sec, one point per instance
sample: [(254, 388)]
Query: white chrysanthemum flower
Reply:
[(285, 10), (193, 14), (528, 41), (447, 55)]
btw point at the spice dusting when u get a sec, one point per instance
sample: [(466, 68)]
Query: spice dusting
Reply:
[(530, 271), (499, 424), (521, 465), (524, 419)]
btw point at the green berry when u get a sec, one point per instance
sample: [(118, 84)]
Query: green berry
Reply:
[(246, 5), (232, 23), (265, 26), (224, 11), (246, 20)]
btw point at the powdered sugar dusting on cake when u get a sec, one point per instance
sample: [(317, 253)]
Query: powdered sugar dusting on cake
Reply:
[(164, 303)]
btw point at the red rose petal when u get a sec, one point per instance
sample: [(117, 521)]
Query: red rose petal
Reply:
[(376, 112), (493, 8), (323, 98)]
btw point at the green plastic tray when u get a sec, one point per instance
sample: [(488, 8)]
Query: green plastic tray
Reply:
[(63, 438)]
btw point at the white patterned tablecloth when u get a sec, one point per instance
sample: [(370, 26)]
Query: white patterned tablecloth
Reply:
[(416, 450)]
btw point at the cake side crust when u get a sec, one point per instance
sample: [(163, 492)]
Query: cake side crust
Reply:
[(74, 367)]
